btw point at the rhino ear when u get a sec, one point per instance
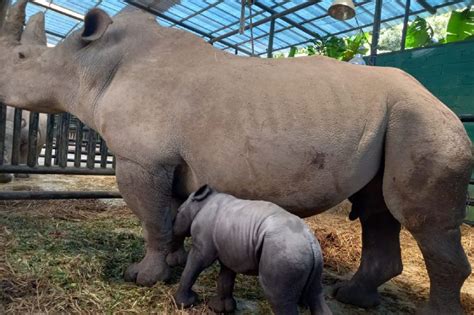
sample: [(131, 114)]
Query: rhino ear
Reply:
[(96, 23), (202, 193), (34, 31)]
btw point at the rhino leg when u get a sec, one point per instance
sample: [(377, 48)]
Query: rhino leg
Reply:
[(224, 301), (381, 257), (426, 176), (178, 255), (148, 194)]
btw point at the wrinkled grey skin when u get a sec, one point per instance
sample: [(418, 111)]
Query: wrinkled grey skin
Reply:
[(250, 237), (303, 133), (41, 140)]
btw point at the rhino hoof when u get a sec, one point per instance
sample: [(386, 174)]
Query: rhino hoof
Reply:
[(220, 305), (177, 258), (353, 294), (147, 272), (5, 178), (186, 299)]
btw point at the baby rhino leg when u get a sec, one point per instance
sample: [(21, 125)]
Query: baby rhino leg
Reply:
[(224, 301), (283, 275)]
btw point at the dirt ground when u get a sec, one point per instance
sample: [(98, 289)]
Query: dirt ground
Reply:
[(69, 257)]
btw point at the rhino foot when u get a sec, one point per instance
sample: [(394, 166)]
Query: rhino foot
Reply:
[(220, 305), (177, 258), (350, 293), (186, 299), (433, 309), (5, 178), (151, 269)]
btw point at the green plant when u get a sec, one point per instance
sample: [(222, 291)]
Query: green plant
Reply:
[(460, 25), (339, 48), (419, 33)]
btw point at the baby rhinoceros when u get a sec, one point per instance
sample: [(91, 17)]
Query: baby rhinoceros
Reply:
[(253, 238)]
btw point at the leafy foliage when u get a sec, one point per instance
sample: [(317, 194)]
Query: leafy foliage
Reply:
[(460, 26), (339, 48), (419, 33)]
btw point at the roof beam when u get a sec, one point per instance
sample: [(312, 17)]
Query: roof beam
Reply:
[(285, 19), (367, 25), (428, 7), (186, 26), (58, 9), (268, 19), (301, 24)]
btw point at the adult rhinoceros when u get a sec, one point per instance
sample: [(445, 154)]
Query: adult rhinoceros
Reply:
[(303, 133), (24, 131)]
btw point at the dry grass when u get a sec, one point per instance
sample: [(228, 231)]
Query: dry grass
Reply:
[(69, 257)]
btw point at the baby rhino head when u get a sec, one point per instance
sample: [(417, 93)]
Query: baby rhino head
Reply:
[(189, 209)]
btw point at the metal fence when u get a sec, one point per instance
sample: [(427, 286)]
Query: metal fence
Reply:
[(71, 148)]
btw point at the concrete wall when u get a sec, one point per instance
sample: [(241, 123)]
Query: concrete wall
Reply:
[(446, 70)]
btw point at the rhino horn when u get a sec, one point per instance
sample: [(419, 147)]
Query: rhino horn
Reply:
[(34, 33), (13, 24), (4, 5)]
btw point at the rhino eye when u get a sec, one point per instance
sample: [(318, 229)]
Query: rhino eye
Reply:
[(21, 55)]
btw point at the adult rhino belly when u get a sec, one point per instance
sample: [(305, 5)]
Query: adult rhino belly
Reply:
[(304, 170)]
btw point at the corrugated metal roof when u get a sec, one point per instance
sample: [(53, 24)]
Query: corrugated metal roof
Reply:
[(213, 18)]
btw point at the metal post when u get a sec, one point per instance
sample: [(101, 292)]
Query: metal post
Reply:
[(33, 139), (405, 24), (103, 153), (49, 140), (64, 140), (271, 35), (375, 32), (78, 148), (3, 125), (16, 136), (91, 146)]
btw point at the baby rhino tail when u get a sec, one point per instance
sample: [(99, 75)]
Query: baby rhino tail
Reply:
[(313, 295)]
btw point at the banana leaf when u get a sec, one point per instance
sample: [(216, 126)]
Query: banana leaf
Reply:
[(460, 26), (419, 33)]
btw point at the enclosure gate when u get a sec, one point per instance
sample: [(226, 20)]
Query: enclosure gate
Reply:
[(71, 148)]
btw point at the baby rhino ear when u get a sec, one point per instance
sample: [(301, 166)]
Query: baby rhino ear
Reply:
[(202, 193)]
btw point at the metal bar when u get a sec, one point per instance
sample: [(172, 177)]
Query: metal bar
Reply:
[(91, 149), (49, 139), (78, 149), (103, 153), (267, 19), (405, 24), (184, 25), (17, 120), (50, 195), (428, 7), (114, 162), (467, 118), (63, 142), (58, 136), (3, 126), (270, 39), (85, 161), (367, 25), (285, 19), (23, 169), (32, 139), (58, 9), (375, 32)]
